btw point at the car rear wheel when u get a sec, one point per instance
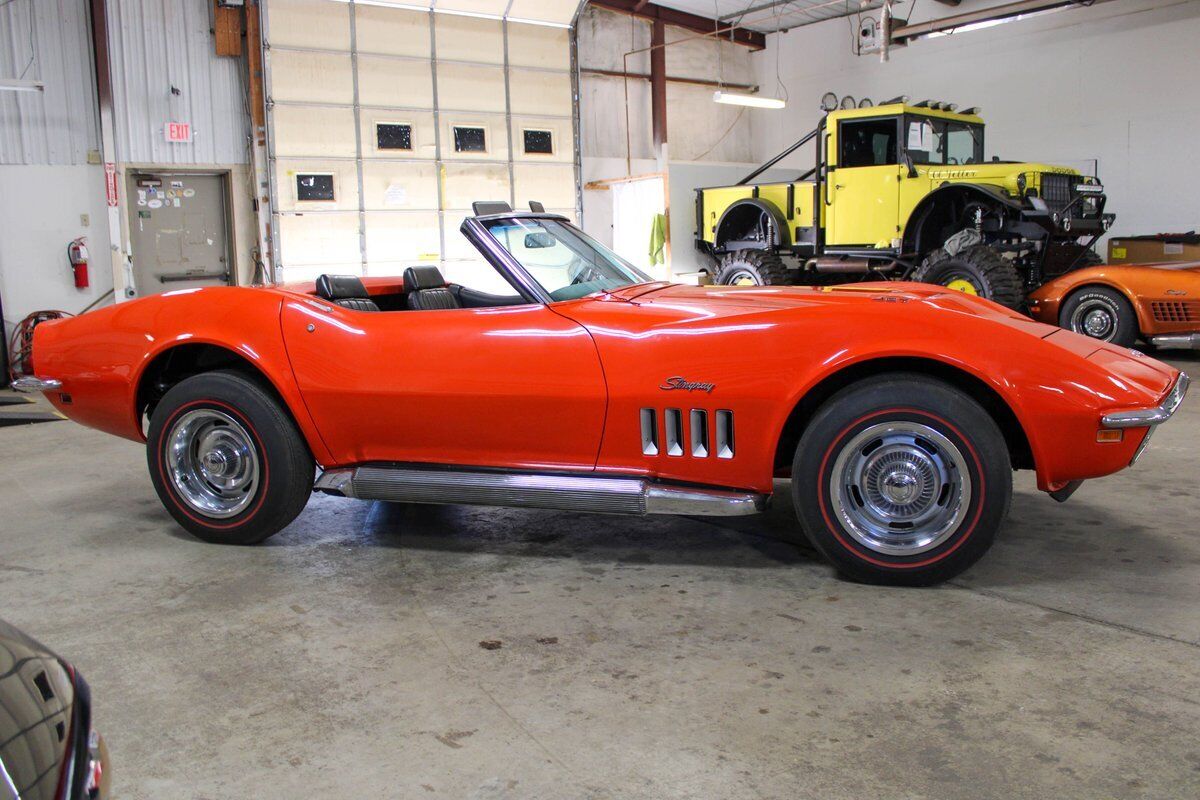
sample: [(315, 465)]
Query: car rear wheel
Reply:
[(901, 480), (1101, 313), (752, 268), (226, 459), (977, 270)]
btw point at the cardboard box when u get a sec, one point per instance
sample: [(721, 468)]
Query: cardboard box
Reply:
[(1154, 249)]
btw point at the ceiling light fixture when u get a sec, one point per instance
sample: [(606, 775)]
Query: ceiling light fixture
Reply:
[(10, 85), (753, 100)]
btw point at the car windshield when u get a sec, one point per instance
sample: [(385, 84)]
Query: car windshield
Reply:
[(565, 261), (936, 141)]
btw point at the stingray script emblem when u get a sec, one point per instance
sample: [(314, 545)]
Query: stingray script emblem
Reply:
[(680, 382)]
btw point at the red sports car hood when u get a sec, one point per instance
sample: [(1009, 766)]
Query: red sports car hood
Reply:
[(721, 300), (1127, 370)]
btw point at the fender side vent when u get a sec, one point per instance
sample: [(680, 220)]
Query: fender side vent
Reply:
[(724, 438), (649, 432), (674, 423), (698, 428)]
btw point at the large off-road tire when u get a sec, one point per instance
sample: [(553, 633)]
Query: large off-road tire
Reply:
[(227, 460), (1067, 257), (1102, 313), (901, 479), (752, 268), (977, 270)]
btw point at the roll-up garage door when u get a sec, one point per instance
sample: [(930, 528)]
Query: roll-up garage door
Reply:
[(387, 121)]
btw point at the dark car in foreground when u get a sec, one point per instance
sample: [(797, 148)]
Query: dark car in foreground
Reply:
[(48, 748)]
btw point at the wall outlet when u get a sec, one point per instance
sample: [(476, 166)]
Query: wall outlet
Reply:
[(85, 220)]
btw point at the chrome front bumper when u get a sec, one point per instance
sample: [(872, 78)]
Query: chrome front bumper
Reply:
[(1155, 415), (1149, 417), (32, 385)]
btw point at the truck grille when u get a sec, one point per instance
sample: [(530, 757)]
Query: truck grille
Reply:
[(1176, 310), (1058, 190)]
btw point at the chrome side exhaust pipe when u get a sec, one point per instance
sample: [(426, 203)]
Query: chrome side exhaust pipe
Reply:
[(561, 492), (1190, 341)]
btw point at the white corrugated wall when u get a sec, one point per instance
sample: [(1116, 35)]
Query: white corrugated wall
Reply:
[(161, 45), (48, 41)]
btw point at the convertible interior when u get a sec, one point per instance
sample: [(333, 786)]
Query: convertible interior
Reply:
[(423, 289)]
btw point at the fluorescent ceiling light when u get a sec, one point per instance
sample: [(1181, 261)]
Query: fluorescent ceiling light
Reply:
[(984, 24), (12, 85), (739, 99)]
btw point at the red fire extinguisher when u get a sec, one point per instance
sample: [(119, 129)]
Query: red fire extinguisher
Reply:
[(78, 254)]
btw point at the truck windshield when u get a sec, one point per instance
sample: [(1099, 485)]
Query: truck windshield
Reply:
[(938, 141), (563, 259)]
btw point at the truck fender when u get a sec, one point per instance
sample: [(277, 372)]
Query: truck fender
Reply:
[(738, 216), (915, 233)]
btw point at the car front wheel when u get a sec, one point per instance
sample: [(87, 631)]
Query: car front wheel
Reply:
[(227, 460), (902, 480), (1101, 313)]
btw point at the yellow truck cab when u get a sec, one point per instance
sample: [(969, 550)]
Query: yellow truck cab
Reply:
[(904, 191)]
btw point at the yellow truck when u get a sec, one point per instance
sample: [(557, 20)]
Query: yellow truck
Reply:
[(902, 190)]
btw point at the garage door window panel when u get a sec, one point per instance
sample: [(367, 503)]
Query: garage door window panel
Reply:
[(315, 187), (394, 136), (470, 139), (538, 142)]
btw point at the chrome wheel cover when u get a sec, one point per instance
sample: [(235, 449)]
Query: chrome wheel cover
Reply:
[(212, 462), (900, 488), (1095, 318)]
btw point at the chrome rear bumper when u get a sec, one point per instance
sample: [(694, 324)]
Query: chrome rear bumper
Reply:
[(32, 385), (1155, 415), (588, 493)]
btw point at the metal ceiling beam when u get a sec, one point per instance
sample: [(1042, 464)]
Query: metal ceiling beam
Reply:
[(755, 40), (808, 8)]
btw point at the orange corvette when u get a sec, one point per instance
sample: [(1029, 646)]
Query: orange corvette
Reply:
[(552, 374), (1122, 303)]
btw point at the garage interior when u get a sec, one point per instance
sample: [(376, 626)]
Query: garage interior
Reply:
[(376, 649)]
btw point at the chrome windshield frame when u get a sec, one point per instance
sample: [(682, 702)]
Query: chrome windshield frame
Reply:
[(502, 260), (505, 262)]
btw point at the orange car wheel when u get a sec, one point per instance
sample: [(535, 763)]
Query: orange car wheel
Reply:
[(902, 479), (1101, 313), (226, 460)]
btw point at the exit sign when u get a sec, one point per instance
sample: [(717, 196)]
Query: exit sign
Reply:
[(178, 131)]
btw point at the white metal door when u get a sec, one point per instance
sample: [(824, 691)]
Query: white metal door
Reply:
[(179, 234)]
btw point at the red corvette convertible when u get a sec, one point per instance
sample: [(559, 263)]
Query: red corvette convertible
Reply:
[(552, 374)]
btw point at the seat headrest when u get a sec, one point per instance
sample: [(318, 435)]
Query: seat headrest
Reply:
[(423, 277), (341, 287)]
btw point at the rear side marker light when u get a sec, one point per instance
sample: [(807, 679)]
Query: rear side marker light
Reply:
[(1106, 436), (724, 437), (674, 425)]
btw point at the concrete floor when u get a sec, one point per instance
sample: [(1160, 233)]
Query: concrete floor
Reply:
[(658, 658)]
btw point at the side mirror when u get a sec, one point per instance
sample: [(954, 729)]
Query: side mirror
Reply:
[(910, 166), (538, 241)]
